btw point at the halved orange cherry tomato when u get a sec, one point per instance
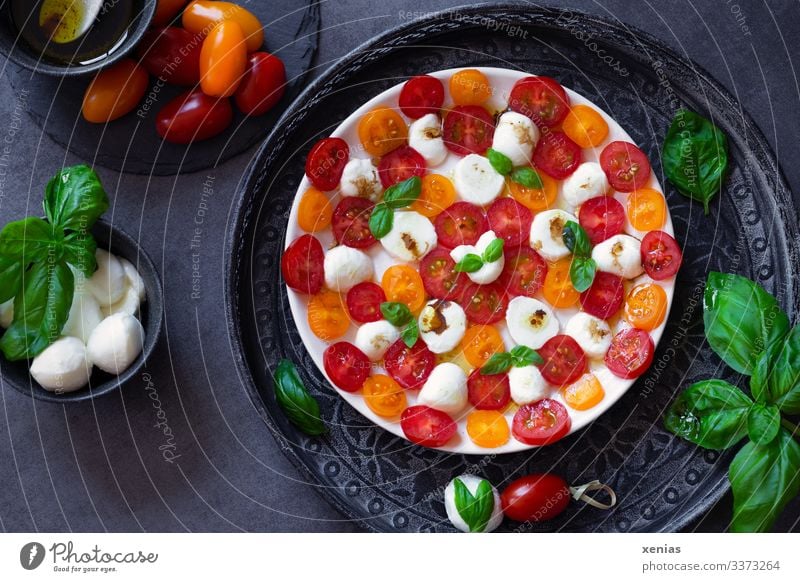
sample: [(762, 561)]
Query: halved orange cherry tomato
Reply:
[(535, 199), (647, 209), (166, 10), (384, 396), (200, 17), (327, 316), (585, 393), (585, 126), (480, 342), (558, 289), (437, 194), (646, 306), (381, 131), (114, 91), (403, 284), (314, 211), (470, 87), (488, 428), (223, 60)]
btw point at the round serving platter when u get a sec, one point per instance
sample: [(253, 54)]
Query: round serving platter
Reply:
[(380, 480)]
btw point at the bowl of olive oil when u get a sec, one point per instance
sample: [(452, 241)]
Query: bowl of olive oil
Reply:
[(71, 37)]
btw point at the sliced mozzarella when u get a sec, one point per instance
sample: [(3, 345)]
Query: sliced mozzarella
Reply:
[(360, 178), (489, 272), (412, 236), (375, 337), (84, 313), (63, 366), (442, 325), (471, 482), (587, 181), (7, 313), (547, 234), (620, 255), (592, 334), (477, 181), (515, 136), (116, 343), (108, 282), (425, 136), (445, 389), (527, 384), (346, 267), (530, 322)]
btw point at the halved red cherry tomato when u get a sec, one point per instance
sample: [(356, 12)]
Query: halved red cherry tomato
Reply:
[(263, 84), (346, 365), (302, 265), (541, 423), (421, 95), (223, 60), (171, 54), (427, 426), (401, 164), (460, 224), (326, 161), (351, 222), (626, 166), (114, 91), (564, 360), (601, 217), (439, 278), (166, 11), (364, 302), (468, 129), (484, 303), (488, 391), (630, 353), (410, 367), (193, 116), (535, 498), (557, 155), (524, 272), (661, 255), (604, 298), (510, 221), (201, 15), (541, 98)]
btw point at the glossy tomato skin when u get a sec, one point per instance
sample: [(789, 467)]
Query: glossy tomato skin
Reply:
[(427, 426), (484, 303), (557, 155), (543, 99), (604, 298), (421, 95), (439, 277), (630, 353), (468, 129), (488, 391), (302, 265), (460, 224), (346, 365), (364, 302), (172, 54), (326, 161), (409, 367), (535, 498), (263, 84), (523, 273), (114, 91), (541, 423), (564, 360), (166, 11), (201, 15), (223, 60), (193, 116), (661, 255), (510, 221), (401, 164), (601, 217), (626, 166), (351, 222)]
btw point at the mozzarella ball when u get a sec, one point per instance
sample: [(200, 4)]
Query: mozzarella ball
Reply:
[(128, 304), (412, 236), (445, 389), (135, 280), (620, 255), (515, 137), (489, 272), (592, 334), (530, 322), (471, 482), (84, 314), (527, 384), (375, 337), (116, 343), (63, 366), (346, 267), (587, 181), (442, 325), (108, 282), (425, 136), (477, 181), (360, 178), (547, 234), (7, 313)]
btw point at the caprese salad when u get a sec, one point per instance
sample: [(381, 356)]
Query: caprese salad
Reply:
[(480, 259)]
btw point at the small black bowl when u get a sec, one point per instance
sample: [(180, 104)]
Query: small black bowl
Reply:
[(18, 51), (17, 374)]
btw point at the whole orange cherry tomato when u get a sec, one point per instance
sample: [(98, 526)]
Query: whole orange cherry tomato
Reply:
[(381, 131), (223, 60), (114, 91), (646, 306), (166, 11), (201, 16), (384, 396), (263, 84), (403, 284)]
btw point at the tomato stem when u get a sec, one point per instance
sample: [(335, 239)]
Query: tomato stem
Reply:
[(579, 493)]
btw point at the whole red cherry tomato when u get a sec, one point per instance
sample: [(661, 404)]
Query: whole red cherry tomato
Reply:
[(166, 11), (193, 116), (223, 59), (263, 84), (114, 92), (172, 54), (541, 497)]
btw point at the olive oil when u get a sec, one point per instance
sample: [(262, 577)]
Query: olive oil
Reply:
[(75, 32)]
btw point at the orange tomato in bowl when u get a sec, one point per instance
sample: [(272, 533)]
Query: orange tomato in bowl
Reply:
[(381, 131), (327, 315), (223, 60), (403, 284), (558, 289), (585, 126), (646, 306), (470, 87), (384, 396), (647, 209), (437, 194), (535, 199), (314, 213), (201, 16), (585, 393), (115, 91), (480, 342), (488, 428)]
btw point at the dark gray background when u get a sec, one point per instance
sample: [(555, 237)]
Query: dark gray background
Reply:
[(97, 466)]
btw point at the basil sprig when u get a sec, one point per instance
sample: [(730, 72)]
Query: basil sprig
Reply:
[(300, 407), (395, 197), (472, 262), (518, 357), (583, 266), (475, 510), (747, 329), (399, 315)]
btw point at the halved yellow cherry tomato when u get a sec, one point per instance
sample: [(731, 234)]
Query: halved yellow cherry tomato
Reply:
[(647, 209), (470, 87), (437, 194), (536, 199), (381, 131), (585, 393), (114, 91), (384, 396), (314, 211), (403, 284), (223, 60), (585, 126), (201, 16), (646, 306), (487, 428), (480, 342), (558, 289), (327, 315)]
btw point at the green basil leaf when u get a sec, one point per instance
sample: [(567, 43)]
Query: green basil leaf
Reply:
[(711, 413), (581, 272), (500, 162), (398, 314), (576, 239), (40, 311), (381, 220), (403, 193), (74, 198), (31, 239), (469, 264), (695, 156), (741, 320), (763, 423), (525, 356), (475, 510), (497, 364), (80, 250), (493, 251), (10, 278), (410, 334), (776, 377), (300, 407), (528, 177), (764, 478)]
